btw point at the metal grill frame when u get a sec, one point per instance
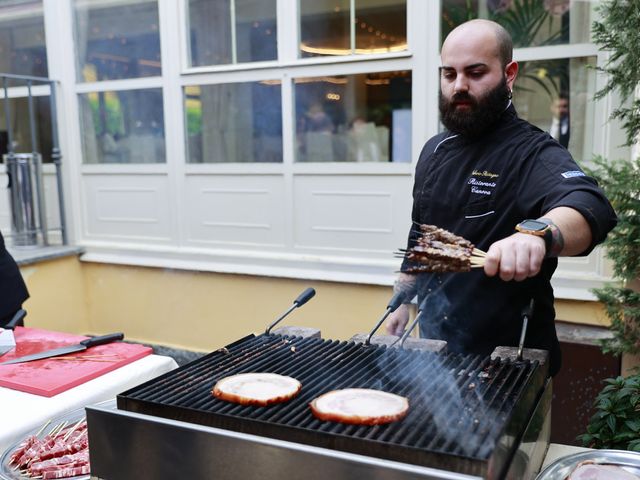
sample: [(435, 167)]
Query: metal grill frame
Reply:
[(328, 434)]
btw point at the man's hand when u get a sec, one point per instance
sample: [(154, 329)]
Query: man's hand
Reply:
[(397, 320), (515, 258)]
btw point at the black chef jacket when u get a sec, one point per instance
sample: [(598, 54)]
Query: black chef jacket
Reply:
[(480, 189), (13, 291)]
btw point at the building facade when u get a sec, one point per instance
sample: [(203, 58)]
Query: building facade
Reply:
[(273, 138)]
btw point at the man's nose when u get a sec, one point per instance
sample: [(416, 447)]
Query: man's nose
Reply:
[(461, 85)]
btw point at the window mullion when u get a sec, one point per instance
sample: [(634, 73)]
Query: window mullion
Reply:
[(288, 30), (352, 26), (234, 41)]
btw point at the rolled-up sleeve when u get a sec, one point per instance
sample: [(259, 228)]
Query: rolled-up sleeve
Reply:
[(555, 180)]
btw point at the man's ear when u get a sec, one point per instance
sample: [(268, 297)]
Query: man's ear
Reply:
[(511, 71)]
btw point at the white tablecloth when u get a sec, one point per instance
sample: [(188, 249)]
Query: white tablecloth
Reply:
[(21, 412)]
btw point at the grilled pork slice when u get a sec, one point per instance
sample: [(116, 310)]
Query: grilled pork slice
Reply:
[(360, 406), (258, 389), (592, 471)]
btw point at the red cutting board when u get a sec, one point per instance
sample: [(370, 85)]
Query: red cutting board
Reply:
[(48, 377)]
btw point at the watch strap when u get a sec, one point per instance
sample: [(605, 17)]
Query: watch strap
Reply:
[(557, 240), (546, 234)]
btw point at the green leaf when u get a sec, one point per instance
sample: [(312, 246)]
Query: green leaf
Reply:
[(625, 392), (611, 422), (633, 425), (605, 403)]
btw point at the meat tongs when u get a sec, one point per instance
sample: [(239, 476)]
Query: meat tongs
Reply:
[(408, 331)]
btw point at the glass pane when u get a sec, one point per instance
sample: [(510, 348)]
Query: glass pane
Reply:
[(555, 95), (354, 118), (21, 130), (324, 28), (531, 22), (122, 126), (22, 44), (232, 31), (235, 122), (117, 40), (381, 26)]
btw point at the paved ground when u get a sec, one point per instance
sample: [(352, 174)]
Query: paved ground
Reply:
[(180, 356)]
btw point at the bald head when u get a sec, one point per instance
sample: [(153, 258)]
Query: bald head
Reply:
[(479, 32)]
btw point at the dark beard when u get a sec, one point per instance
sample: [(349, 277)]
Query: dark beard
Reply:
[(484, 111)]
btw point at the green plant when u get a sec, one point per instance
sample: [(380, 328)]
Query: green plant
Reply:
[(525, 21), (616, 423), (621, 179), (618, 33)]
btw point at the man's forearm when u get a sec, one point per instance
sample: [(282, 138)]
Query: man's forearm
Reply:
[(574, 231), (406, 284)]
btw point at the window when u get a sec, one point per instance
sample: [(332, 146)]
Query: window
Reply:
[(231, 31), (116, 40), (236, 122), (531, 23), (555, 95), (122, 126), (347, 27), (354, 118), (22, 42), (21, 130)]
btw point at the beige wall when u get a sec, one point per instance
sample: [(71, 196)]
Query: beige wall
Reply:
[(205, 311), (58, 295)]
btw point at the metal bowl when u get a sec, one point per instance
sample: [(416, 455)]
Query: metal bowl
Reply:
[(8, 472), (562, 467)]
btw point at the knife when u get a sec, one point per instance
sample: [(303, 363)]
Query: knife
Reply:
[(7, 339), (83, 345)]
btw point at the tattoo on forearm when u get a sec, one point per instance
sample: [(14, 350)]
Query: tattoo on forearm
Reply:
[(407, 286)]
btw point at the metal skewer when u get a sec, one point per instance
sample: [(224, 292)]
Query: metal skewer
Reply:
[(393, 304), (303, 298), (527, 312)]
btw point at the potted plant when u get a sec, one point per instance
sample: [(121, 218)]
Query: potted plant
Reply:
[(616, 423)]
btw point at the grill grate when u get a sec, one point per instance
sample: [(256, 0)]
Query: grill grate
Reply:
[(461, 407)]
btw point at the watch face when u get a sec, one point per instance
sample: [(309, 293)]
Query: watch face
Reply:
[(534, 225)]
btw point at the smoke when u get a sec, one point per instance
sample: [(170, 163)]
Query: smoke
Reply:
[(437, 320), (440, 387)]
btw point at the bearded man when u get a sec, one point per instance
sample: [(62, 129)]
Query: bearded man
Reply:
[(510, 189)]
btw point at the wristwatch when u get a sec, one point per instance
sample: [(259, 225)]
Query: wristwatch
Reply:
[(539, 229)]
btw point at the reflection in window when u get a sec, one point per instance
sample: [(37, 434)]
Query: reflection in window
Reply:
[(22, 43), (20, 128), (123, 126), (236, 122), (354, 118), (555, 95), (347, 27), (116, 40), (531, 23), (231, 31)]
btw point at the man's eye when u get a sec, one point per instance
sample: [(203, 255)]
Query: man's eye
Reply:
[(448, 75), (476, 74)]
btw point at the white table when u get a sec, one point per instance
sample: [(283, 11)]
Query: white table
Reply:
[(22, 412)]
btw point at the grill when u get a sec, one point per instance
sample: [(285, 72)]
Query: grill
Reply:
[(468, 414)]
